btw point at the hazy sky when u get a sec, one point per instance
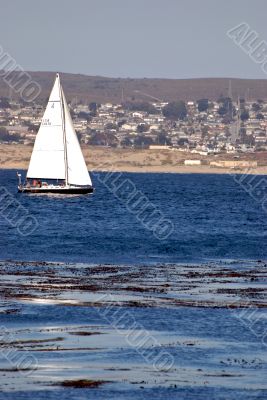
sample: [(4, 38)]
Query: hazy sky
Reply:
[(132, 38)]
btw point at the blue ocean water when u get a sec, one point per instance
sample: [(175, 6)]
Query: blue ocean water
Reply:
[(217, 335), (213, 218)]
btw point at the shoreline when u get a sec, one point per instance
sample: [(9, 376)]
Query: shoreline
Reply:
[(17, 157), (202, 170)]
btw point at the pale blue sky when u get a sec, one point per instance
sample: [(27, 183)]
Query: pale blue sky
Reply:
[(131, 38)]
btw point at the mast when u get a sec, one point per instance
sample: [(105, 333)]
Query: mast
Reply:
[(64, 133)]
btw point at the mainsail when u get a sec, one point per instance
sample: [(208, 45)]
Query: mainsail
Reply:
[(47, 160), (57, 153)]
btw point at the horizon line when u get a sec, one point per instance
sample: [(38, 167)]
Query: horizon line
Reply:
[(138, 78)]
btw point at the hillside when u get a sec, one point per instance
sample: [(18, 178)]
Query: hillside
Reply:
[(102, 89)]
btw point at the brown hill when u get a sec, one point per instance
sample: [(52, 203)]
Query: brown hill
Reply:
[(102, 89)]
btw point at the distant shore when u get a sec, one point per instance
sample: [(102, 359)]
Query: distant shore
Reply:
[(127, 160)]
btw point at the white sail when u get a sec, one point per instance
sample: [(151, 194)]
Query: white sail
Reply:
[(48, 156), (77, 170), (57, 153)]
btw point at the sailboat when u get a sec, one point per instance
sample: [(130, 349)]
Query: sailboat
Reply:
[(57, 164)]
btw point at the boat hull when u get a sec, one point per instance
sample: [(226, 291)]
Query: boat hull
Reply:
[(71, 190)]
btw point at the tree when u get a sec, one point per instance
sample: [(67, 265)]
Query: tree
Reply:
[(103, 139), (79, 135), (182, 142), (5, 136), (84, 115), (126, 142), (202, 105), (93, 108), (3, 131), (72, 113), (110, 126), (31, 126), (244, 115), (163, 139), (175, 110), (142, 141), (226, 119), (222, 111), (260, 116), (141, 128), (122, 122), (226, 107), (247, 139), (204, 131), (4, 102), (256, 107)]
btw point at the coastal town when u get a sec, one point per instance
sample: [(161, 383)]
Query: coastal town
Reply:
[(197, 128)]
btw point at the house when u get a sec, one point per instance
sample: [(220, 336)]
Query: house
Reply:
[(192, 162), (159, 147)]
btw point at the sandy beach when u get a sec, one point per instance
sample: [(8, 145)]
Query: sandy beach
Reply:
[(129, 160)]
